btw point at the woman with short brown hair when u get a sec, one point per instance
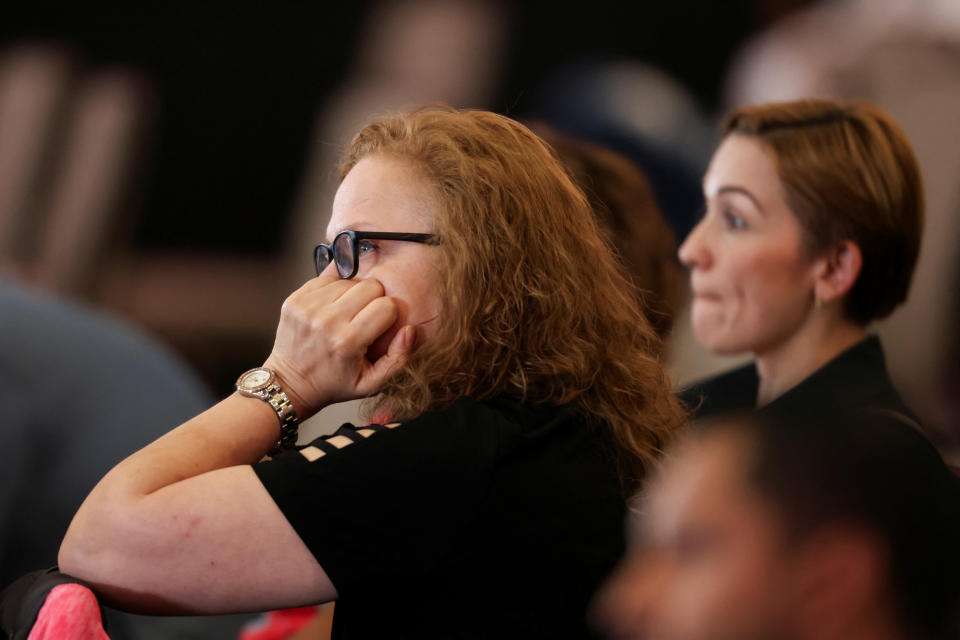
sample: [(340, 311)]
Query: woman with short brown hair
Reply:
[(811, 232)]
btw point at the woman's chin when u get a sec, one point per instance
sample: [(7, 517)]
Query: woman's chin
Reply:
[(704, 329), (715, 341)]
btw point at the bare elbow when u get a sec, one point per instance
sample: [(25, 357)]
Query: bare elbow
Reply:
[(98, 546), (78, 554), (105, 558)]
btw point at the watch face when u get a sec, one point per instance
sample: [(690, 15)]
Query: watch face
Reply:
[(255, 378)]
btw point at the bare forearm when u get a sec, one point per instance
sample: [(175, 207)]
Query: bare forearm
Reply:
[(185, 524), (236, 431)]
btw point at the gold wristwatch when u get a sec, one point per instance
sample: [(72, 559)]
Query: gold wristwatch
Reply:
[(264, 384)]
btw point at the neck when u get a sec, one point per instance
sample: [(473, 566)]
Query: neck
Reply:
[(821, 339)]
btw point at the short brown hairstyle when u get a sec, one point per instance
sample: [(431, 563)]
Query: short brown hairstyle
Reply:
[(849, 173), (535, 306)]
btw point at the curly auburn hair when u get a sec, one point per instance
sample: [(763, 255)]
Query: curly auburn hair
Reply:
[(535, 305), (848, 173)]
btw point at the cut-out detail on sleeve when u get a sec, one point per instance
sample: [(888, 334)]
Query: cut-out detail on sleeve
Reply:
[(339, 441), (345, 436), (312, 453)]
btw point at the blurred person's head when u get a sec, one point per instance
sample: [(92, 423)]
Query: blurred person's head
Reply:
[(630, 222), (519, 295), (759, 529), (814, 208)]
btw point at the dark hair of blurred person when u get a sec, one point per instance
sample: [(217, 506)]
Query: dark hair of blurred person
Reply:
[(630, 221), (811, 232), (802, 528)]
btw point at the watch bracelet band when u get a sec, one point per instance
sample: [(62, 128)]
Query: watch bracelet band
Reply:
[(289, 425)]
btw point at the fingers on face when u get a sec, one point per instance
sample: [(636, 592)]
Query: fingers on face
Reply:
[(355, 298), (324, 279), (318, 296), (380, 370), (353, 313), (374, 319), (308, 293), (313, 285)]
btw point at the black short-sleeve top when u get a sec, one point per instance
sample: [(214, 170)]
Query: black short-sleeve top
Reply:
[(486, 519)]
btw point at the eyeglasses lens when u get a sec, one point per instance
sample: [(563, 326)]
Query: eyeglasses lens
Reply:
[(343, 254), (322, 257)]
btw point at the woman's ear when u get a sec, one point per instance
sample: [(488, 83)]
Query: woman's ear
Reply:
[(839, 269)]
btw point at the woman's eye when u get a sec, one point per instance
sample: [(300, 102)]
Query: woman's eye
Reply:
[(734, 221), (366, 246)]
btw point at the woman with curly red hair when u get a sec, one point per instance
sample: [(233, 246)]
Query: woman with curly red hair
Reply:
[(515, 399)]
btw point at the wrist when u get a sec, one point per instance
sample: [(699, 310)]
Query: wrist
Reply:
[(303, 409), (265, 384), (297, 387)]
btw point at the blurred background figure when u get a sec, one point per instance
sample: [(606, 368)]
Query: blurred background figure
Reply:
[(641, 112), (844, 528), (85, 390), (630, 221)]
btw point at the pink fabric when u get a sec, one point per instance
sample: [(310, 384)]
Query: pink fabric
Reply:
[(70, 612), (382, 417)]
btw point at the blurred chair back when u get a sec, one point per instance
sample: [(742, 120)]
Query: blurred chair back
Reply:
[(71, 145)]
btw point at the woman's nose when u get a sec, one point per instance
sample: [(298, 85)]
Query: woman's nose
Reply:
[(694, 253)]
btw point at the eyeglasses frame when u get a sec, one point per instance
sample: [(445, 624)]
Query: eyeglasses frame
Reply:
[(355, 238)]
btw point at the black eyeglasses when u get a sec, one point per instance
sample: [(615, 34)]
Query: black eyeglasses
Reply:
[(347, 246)]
